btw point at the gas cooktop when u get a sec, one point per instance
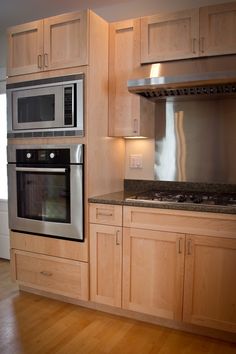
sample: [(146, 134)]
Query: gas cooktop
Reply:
[(154, 196)]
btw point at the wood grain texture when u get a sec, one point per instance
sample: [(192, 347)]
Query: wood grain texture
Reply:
[(34, 325), (170, 36), (105, 264), (210, 289)]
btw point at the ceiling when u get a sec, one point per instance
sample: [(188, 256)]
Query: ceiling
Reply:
[(13, 12)]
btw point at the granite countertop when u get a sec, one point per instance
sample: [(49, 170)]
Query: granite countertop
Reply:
[(119, 198)]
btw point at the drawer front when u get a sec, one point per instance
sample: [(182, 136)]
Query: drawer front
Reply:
[(196, 223), (52, 274), (106, 214)]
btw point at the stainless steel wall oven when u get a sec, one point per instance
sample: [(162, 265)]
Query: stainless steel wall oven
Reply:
[(46, 190)]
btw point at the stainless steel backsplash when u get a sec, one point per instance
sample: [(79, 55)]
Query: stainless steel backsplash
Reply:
[(195, 140)]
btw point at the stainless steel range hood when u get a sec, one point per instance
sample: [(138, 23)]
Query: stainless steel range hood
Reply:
[(185, 85)]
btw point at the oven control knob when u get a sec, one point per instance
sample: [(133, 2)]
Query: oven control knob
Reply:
[(28, 155), (52, 155)]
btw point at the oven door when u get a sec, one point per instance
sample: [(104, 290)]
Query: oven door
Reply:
[(46, 201), (38, 108)]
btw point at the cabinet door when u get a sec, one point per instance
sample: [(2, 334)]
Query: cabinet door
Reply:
[(124, 57), (169, 37), (210, 287), (105, 264), (217, 29), (153, 272), (25, 48), (65, 41)]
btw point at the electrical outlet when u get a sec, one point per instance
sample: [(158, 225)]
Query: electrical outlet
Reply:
[(136, 161)]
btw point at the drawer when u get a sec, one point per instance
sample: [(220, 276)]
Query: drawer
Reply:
[(196, 223), (106, 214), (52, 274)]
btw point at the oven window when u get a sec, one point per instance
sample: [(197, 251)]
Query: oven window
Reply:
[(44, 196), (36, 109)]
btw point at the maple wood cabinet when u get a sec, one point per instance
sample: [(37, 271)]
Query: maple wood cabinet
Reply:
[(105, 254), (176, 261), (187, 34), (51, 265), (210, 289), (129, 115), (53, 43), (153, 272)]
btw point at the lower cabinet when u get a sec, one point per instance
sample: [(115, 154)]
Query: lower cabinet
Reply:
[(153, 272), (52, 274), (210, 287), (105, 264)]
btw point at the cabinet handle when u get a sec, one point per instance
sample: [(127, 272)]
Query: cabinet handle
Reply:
[(194, 45), (103, 213), (180, 249), (202, 42), (135, 126), (118, 237), (40, 61), (46, 60), (189, 247), (46, 274)]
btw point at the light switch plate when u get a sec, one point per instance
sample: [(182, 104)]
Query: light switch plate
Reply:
[(136, 161)]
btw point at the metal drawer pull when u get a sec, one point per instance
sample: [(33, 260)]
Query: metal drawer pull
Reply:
[(118, 237), (135, 126), (103, 213), (202, 39), (180, 246), (194, 45), (189, 247), (40, 61), (46, 274), (46, 60)]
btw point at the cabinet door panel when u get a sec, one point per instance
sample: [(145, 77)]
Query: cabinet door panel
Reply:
[(217, 29), (124, 57), (105, 262), (65, 41), (25, 48), (169, 37), (153, 272), (210, 288)]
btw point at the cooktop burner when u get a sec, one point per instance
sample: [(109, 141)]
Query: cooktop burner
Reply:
[(185, 197)]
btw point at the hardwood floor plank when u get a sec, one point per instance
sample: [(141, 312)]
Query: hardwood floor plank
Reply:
[(32, 324)]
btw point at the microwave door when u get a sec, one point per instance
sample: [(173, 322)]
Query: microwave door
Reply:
[(37, 108)]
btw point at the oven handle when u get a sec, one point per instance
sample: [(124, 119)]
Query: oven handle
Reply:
[(41, 169)]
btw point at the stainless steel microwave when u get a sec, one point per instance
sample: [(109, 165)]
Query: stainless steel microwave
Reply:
[(48, 104)]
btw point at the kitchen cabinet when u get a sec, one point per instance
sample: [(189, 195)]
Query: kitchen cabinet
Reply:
[(217, 29), (176, 260), (129, 115), (153, 272), (105, 254), (50, 265), (210, 289), (206, 31), (53, 43), (169, 36)]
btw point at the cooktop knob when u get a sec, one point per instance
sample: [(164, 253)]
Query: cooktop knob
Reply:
[(28, 155), (52, 155)]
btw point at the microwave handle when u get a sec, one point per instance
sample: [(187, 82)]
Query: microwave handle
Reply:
[(40, 169)]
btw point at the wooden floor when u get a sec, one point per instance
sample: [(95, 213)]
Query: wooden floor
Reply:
[(34, 324)]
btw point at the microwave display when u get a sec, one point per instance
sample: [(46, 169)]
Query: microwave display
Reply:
[(48, 104)]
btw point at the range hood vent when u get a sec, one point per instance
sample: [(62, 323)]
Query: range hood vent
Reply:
[(162, 87)]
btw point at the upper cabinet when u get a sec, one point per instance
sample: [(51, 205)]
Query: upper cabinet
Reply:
[(169, 37), (217, 29), (200, 32), (126, 110), (53, 43)]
